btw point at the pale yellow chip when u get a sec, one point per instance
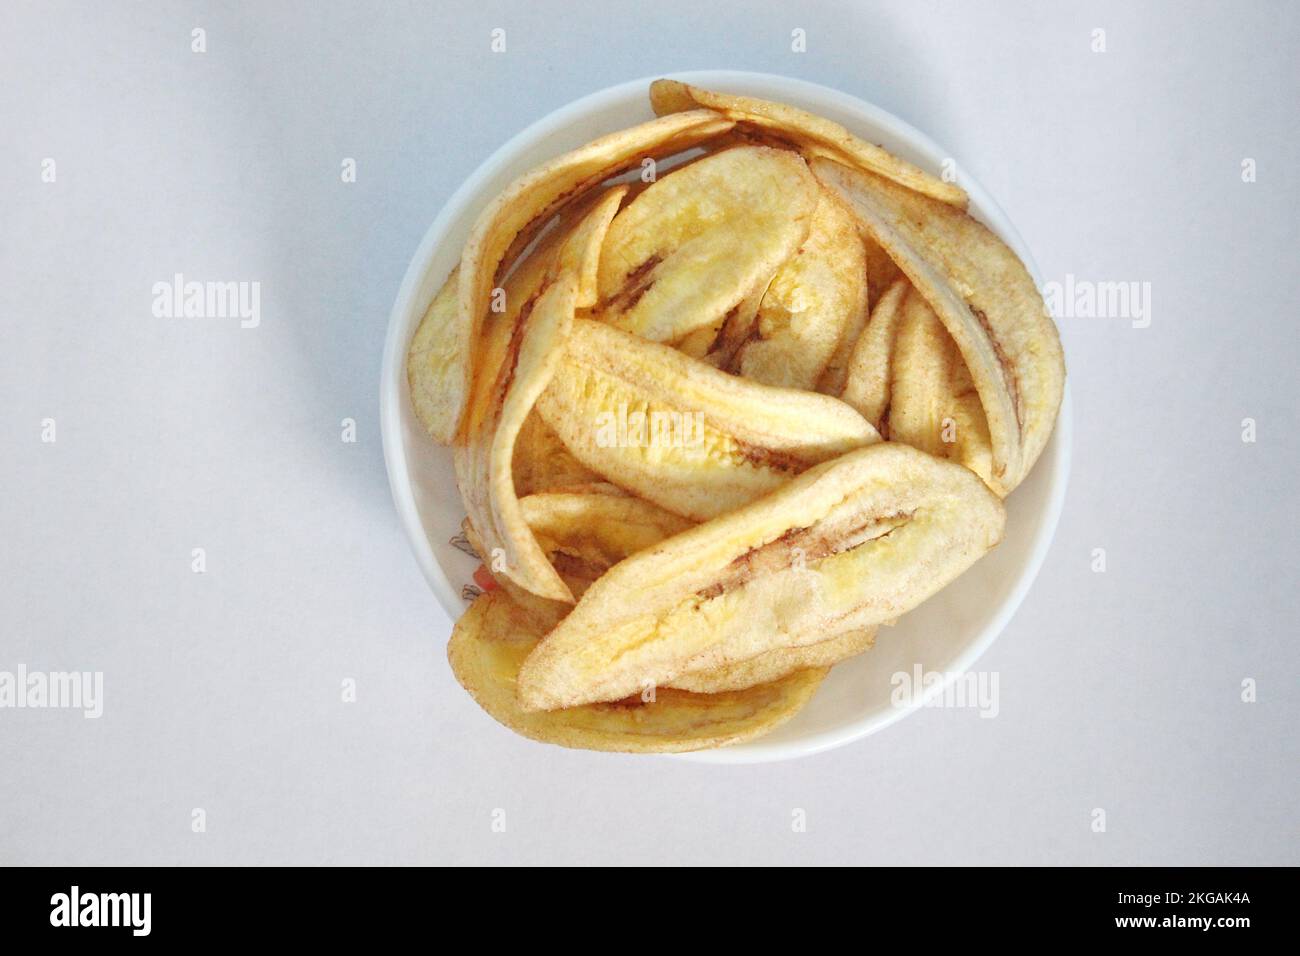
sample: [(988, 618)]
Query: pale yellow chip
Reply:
[(777, 663), (584, 530), (682, 434), (814, 303), (542, 463), (668, 97), (986, 300), (432, 355), (694, 244), (882, 271), (543, 613), (599, 530), (449, 347), (933, 402), (492, 639), (849, 544), (717, 343), (867, 382), (525, 348)]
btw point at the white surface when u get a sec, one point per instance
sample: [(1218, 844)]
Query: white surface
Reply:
[(1119, 690), (945, 637)]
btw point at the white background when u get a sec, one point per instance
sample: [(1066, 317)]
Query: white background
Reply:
[(1119, 690)]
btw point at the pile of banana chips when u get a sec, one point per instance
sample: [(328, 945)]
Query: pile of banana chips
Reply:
[(726, 391)]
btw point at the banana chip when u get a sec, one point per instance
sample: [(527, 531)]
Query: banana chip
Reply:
[(433, 356), (448, 352), (693, 245), (523, 348), (669, 97), (814, 303), (542, 463), (849, 544), (585, 534), (492, 639), (933, 402), (866, 384), (682, 434), (986, 300), (718, 342), (882, 272), (777, 663), (583, 531), (543, 613)]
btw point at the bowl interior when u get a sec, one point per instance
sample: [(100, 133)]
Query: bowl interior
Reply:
[(945, 635)]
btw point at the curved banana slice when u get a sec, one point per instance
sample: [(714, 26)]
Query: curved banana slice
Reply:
[(671, 96), (492, 639), (522, 351), (814, 304), (933, 402), (882, 271), (718, 343), (598, 530), (777, 663), (583, 532), (866, 386), (542, 463), (850, 544), (693, 245), (986, 300), (431, 357), (483, 464), (682, 434), (881, 274), (448, 345), (541, 612)]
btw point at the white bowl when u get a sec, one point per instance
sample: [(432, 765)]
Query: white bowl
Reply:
[(945, 635)]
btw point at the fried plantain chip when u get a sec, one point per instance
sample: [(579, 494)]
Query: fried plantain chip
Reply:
[(431, 358), (881, 274), (542, 613), (933, 402), (776, 663), (688, 249), (813, 303), (600, 529), (584, 530), (492, 639), (718, 342), (682, 434), (542, 463), (524, 348), (585, 533), (448, 337), (882, 271), (848, 544), (986, 300), (669, 97), (866, 386)]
